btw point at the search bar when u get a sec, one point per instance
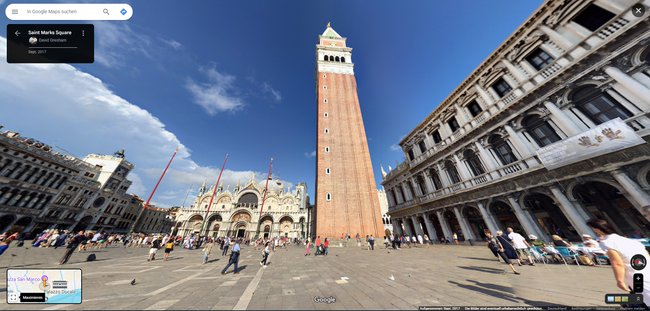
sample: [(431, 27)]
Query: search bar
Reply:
[(69, 12)]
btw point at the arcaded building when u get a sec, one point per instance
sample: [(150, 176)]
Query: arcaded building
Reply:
[(346, 192), (549, 130)]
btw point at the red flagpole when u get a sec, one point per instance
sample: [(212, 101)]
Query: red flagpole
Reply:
[(144, 207), (214, 191), (264, 196)]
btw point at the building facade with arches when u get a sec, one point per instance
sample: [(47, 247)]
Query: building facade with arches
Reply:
[(43, 189), (238, 213), (477, 161)]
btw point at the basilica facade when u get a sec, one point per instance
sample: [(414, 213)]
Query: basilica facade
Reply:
[(239, 213)]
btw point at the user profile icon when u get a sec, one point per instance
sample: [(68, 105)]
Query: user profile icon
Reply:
[(33, 40), (638, 262)]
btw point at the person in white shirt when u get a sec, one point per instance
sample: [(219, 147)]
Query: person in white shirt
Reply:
[(520, 244), (620, 251), (420, 239)]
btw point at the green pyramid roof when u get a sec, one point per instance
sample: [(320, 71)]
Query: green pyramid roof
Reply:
[(329, 32)]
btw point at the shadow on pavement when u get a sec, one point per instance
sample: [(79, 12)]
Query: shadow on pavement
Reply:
[(477, 258), (501, 292), (483, 269), (213, 260)]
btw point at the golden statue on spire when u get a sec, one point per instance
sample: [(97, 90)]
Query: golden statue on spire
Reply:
[(329, 25)]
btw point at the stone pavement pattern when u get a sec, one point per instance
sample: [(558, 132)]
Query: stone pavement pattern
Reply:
[(359, 279)]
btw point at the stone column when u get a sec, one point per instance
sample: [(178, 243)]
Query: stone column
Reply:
[(464, 172), (562, 120), (556, 37), (410, 230), (464, 225), (428, 182), (443, 176), (418, 228), (516, 141), (488, 218), (488, 160), (571, 212), (407, 195), (445, 226), (485, 95), (431, 229), (639, 195), (397, 226), (416, 188), (525, 221), (632, 85)]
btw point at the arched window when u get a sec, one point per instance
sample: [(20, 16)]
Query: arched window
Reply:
[(342, 59), (325, 58), (474, 162), (452, 171), (327, 170), (249, 198), (502, 150), (599, 107), (331, 58), (328, 196), (337, 58), (540, 130)]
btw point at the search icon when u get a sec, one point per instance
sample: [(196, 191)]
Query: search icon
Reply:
[(106, 11)]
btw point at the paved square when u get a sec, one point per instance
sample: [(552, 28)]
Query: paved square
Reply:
[(357, 279)]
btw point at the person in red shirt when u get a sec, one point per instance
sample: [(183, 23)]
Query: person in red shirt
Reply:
[(326, 246), (317, 246)]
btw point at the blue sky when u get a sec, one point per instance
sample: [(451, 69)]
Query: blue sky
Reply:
[(237, 77)]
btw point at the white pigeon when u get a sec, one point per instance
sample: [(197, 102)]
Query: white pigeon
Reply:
[(392, 278)]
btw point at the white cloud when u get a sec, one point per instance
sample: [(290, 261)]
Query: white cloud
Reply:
[(275, 94), (310, 154), (395, 147), (216, 95), (114, 40), (173, 43), (63, 106)]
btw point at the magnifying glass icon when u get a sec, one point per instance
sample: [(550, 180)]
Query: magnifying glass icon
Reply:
[(106, 12)]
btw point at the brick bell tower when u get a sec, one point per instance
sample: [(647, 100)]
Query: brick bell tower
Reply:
[(346, 193)]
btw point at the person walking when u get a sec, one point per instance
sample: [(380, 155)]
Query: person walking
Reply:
[(496, 246), (318, 250), (326, 247), (521, 246), (169, 247), (234, 258), (72, 245), (155, 246), (507, 247), (371, 242), (455, 236), (226, 244), (265, 254), (622, 252), (207, 249), (307, 247)]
